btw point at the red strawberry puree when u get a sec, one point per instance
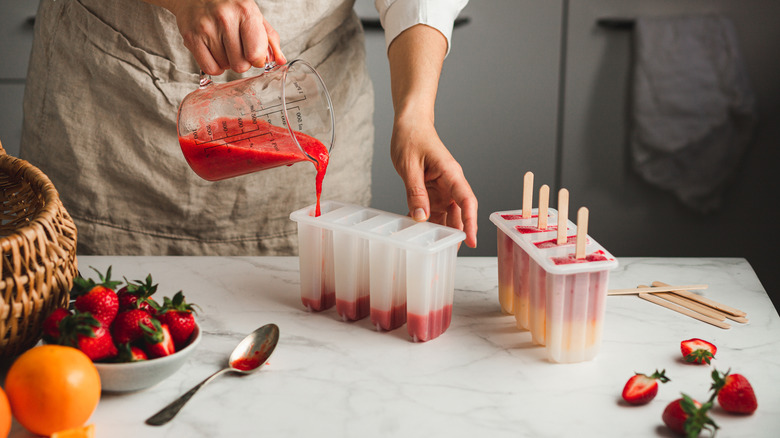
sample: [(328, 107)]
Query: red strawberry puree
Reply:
[(325, 301), (252, 147), (427, 327), (389, 319), (353, 310), (597, 256)]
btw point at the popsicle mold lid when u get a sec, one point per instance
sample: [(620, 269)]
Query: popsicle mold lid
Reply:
[(381, 226), (508, 222)]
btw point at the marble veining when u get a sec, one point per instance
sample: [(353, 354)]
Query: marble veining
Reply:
[(482, 377)]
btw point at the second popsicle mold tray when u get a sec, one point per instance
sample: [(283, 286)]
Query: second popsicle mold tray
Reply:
[(560, 299), (368, 262)]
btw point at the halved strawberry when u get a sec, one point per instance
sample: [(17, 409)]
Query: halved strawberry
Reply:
[(698, 350), (159, 342), (735, 394), (130, 353), (686, 416), (641, 388), (99, 299)]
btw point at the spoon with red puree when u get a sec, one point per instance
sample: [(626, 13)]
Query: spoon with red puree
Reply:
[(248, 356)]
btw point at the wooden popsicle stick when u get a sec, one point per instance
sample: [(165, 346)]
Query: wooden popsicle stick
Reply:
[(544, 203), (739, 319), (528, 194), (655, 289), (582, 233), (706, 301), (563, 215), (692, 305), (687, 312)]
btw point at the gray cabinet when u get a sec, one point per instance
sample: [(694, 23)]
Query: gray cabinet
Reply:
[(16, 24)]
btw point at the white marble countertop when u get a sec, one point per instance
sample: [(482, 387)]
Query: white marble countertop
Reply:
[(482, 377)]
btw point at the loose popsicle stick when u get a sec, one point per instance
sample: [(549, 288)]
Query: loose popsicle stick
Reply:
[(701, 308), (739, 319), (647, 289), (706, 301), (582, 233), (693, 305), (563, 215), (528, 194), (687, 312), (544, 203)]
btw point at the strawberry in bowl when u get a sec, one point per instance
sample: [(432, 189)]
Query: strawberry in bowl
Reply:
[(134, 341)]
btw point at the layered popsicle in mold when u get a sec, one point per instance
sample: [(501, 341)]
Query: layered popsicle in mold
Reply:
[(559, 297), (508, 275), (372, 263)]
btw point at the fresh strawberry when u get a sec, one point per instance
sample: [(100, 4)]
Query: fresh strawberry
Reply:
[(83, 331), (138, 295), (698, 350), (735, 394), (641, 388), (127, 325), (158, 340), (51, 325), (130, 353), (99, 299), (686, 416), (178, 315)]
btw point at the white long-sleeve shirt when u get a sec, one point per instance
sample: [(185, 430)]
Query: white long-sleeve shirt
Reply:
[(399, 15)]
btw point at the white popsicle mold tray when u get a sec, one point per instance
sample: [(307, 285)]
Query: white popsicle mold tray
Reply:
[(561, 304), (510, 222), (370, 262)]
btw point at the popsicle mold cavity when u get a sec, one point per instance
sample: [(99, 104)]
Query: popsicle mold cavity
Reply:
[(560, 299), (373, 263)]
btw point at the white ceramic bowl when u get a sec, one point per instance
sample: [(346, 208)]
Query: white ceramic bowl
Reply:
[(134, 376)]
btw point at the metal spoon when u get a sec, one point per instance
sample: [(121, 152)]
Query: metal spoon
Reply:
[(249, 355)]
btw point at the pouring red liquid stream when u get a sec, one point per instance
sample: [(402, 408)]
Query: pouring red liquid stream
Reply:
[(244, 151)]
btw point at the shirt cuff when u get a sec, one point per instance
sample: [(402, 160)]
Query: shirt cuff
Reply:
[(399, 15)]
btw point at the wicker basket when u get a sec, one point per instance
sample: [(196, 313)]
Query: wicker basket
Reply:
[(38, 240)]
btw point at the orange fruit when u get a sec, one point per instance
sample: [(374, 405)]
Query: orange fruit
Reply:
[(52, 388), (5, 415), (78, 432)]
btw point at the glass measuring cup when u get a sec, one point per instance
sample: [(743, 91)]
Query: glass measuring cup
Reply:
[(280, 117)]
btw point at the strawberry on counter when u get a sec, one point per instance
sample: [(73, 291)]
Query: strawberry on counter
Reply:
[(641, 388), (735, 394), (698, 350)]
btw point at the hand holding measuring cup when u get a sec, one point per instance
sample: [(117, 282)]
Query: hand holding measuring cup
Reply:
[(226, 34)]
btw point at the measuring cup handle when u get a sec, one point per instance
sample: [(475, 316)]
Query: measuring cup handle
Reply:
[(270, 63), (205, 80)]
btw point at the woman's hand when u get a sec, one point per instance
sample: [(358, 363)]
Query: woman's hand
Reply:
[(436, 188), (225, 34)]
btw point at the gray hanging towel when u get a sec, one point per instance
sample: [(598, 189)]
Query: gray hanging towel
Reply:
[(693, 107)]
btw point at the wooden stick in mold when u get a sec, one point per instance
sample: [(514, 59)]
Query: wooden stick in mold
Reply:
[(528, 194), (563, 215), (582, 232), (544, 202)]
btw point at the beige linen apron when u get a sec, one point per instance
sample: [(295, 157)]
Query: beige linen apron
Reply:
[(103, 88)]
